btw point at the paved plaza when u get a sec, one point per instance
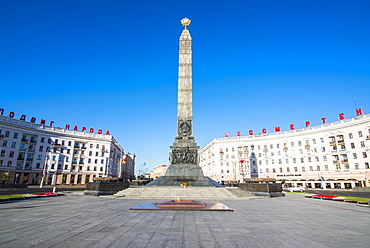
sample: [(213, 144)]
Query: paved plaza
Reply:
[(75, 220)]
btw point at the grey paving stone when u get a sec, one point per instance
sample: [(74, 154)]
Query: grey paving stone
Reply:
[(80, 221)]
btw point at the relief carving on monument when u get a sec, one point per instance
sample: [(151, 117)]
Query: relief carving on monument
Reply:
[(183, 155), (184, 128)]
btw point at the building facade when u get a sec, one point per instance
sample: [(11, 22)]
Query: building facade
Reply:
[(158, 171), (28, 151), (127, 172), (330, 155)]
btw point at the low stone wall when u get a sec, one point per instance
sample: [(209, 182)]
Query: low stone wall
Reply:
[(105, 188), (263, 189), (361, 189)]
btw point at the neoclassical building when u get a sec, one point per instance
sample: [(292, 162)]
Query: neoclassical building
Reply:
[(29, 150), (330, 155)]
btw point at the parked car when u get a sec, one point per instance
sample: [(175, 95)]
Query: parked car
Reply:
[(296, 189)]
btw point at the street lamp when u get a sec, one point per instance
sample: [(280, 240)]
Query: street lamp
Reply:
[(44, 171), (46, 168)]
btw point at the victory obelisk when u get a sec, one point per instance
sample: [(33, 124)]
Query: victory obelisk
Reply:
[(184, 165)]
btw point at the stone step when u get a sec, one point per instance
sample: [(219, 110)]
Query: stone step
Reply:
[(182, 193)]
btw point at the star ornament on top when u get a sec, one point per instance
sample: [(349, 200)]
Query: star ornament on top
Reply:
[(185, 22)]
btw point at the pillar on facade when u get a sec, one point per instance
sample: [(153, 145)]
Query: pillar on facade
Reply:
[(68, 180), (1, 176), (83, 179)]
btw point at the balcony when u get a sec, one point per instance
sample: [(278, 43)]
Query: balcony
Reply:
[(33, 141), (24, 140)]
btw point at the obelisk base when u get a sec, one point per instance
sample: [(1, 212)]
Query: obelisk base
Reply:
[(190, 173)]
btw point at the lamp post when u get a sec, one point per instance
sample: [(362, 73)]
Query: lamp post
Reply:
[(46, 167), (44, 172)]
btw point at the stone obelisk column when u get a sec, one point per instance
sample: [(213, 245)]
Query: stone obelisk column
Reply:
[(184, 165)]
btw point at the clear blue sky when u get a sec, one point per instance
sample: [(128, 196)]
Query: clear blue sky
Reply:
[(112, 65)]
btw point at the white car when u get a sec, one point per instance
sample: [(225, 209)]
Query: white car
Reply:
[(296, 189)]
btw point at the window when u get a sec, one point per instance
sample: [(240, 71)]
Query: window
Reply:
[(11, 154), (69, 143), (89, 160), (366, 165), (96, 161), (271, 146), (63, 142), (5, 143), (292, 144), (287, 161), (96, 153), (278, 145), (362, 144), (360, 134), (91, 145), (317, 159), (311, 168), (318, 168), (39, 156), (97, 146), (309, 159), (41, 148), (314, 141), (14, 144), (303, 168), (326, 167), (352, 145), (7, 133), (68, 151), (9, 163), (15, 136), (302, 160), (2, 153), (55, 142), (350, 135), (102, 161), (295, 169), (67, 159), (357, 166), (322, 140), (355, 155), (294, 160), (101, 168), (49, 140), (299, 143), (364, 155)]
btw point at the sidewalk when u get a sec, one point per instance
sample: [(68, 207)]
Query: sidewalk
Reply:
[(75, 220)]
